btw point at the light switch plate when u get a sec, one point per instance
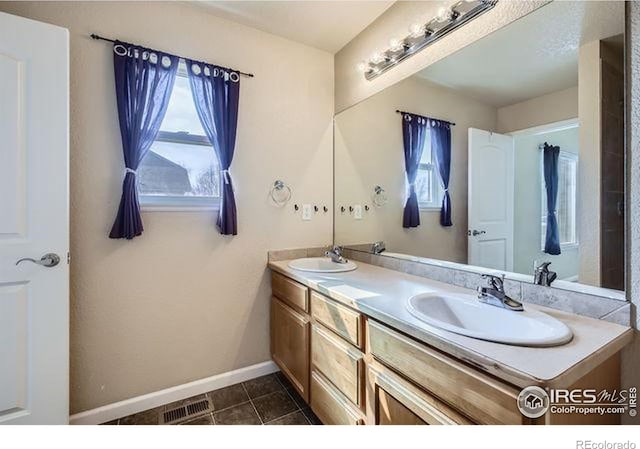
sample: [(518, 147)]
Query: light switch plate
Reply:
[(306, 212), (357, 211)]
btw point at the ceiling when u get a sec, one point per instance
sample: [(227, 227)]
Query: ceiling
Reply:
[(327, 25), (534, 56)]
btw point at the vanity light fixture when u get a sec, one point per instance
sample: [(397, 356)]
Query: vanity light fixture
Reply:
[(422, 35)]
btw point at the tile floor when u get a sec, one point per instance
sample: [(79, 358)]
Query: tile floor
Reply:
[(265, 400)]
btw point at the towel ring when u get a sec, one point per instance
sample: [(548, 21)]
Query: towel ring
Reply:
[(280, 193), (379, 197)]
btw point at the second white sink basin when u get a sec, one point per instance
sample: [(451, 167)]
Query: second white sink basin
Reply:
[(465, 315), (321, 265)]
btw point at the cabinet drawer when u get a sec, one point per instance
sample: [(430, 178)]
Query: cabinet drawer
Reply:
[(391, 400), (482, 398), (339, 362), (340, 319), (329, 404), (294, 294)]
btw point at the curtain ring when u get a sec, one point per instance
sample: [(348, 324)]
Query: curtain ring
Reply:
[(234, 75), (407, 117), (120, 50)]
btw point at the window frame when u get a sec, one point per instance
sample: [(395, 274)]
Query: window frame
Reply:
[(174, 203), (573, 157)]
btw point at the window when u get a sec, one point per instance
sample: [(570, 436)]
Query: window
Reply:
[(428, 186), (181, 168), (566, 203)]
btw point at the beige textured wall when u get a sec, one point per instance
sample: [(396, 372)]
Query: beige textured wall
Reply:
[(550, 108), (369, 152), (182, 302), (351, 86)]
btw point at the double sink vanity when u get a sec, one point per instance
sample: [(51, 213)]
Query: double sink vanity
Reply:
[(364, 344)]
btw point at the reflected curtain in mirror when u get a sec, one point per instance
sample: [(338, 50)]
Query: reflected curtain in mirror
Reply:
[(551, 155), (216, 93), (414, 128), (441, 144), (144, 80)]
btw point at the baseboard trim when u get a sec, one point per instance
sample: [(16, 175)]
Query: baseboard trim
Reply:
[(140, 403)]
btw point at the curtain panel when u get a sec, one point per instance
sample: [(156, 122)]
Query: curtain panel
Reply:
[(414, 128), (551, 155), (144, 79), (216, 93), (441, 144)]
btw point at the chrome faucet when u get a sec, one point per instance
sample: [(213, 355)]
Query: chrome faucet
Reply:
[(542, 275), (378, 247), (335, 253), (494, 295)]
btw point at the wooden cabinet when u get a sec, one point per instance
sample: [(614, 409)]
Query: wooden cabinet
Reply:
[(290, 332), (473, 393), (391, 400), (352, 369)]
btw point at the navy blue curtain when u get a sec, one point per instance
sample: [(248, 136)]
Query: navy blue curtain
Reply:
[(550, 162), (441, 145), (414, 128), (144, 81), (216, 91)]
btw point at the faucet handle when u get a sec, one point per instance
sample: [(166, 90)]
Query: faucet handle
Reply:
[(544, 266), (494, 281)]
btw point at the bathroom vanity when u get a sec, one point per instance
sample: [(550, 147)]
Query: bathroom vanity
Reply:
[(352, 350)]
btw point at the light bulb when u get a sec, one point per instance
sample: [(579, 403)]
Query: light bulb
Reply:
[(377, 58), (362, 67), (444, 14), (395, 44), (416, 30)]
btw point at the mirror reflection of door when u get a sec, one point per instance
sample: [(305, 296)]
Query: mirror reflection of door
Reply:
[(490, 200)]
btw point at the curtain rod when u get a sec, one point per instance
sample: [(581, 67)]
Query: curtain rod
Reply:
[(98, 37), (445, 121)]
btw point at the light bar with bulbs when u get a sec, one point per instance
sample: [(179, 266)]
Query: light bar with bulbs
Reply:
[(422, 35)]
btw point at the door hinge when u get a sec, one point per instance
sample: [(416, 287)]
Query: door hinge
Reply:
[(68, 257)]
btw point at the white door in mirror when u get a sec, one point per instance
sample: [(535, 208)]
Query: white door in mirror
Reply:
[(465, 315), (491, 187), (34, 224)]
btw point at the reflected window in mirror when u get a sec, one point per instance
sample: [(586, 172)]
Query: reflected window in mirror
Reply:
[(428, 184), (566, 212)]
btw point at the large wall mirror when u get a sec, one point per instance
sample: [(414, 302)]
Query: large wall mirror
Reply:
[(504, 155)]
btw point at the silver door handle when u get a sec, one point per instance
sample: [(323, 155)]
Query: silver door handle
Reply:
[(476, 232), (48, 260)]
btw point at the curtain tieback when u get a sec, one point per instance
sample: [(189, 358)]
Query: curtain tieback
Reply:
[(227, 176), (130, 170)]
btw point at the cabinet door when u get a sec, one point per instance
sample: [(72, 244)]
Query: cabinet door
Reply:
[(391, 400), (290, 345)]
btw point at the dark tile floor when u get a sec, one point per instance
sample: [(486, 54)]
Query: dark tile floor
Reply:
[(265, 400)]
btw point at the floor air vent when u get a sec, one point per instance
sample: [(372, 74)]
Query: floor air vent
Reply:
[(186, 411)]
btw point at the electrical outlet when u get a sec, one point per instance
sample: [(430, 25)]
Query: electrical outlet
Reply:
[(306, 212), (357, 211)]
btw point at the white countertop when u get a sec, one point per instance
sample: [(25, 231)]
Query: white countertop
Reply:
[(382, 294)]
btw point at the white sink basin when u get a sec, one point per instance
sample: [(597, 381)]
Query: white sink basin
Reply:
[(321, 265), (465, 315)]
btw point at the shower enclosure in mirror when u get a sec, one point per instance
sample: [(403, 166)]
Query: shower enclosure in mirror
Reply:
[(506, 155)]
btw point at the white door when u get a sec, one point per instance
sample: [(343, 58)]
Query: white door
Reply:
[(491, 187), (34, 299)]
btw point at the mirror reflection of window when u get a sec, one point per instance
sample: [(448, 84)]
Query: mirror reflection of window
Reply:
[(428, 185), (566, 203)]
